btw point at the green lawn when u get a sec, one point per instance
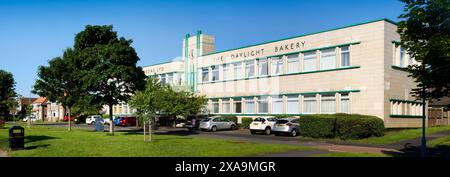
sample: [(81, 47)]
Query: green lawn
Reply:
[(348, 154), (58, 142), (439, 142), (389, 138)]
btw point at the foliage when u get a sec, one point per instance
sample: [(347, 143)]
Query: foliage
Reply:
[(7, 93), (232, 118), (283, 116), (246, 121), (344, 126), (183, 103), (425, 33)]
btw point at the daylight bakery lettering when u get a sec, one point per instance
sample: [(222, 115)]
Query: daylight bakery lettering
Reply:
[(290, 46)]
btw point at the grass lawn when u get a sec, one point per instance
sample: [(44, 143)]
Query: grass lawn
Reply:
[(389, 137), (47, 141), (439, 142), (348, 154)]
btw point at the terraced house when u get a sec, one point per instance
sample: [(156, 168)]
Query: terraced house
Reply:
[(353, 69)]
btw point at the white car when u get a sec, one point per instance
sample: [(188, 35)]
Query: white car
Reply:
[(91, 120), (32, 118), (262, 124)]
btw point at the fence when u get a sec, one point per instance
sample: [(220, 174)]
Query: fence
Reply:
[(437, 116)]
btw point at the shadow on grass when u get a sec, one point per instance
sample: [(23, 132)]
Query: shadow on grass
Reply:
[(415, 151), (38, 146), (33, 138)]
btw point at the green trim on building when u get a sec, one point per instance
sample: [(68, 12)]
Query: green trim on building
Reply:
[(363, 23), (154, 74), (279, 75), (295, 93), (186, 53), (399, 68), (254, 114), (396, 42), (404, 101), (405, 116)]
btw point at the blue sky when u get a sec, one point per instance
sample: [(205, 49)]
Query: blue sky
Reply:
[(33, 32)]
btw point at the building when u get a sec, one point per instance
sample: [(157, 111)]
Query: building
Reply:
[(353, 69), (22, 102), (45, 110)]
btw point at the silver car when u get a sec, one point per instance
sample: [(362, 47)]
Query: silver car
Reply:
[(217, 123), (286, 126)]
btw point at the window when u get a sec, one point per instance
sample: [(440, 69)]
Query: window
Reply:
[(215, 106), (263, 67), (263, 105), (163, 79), (292, 104), (205, 74), (249, 104), (227, 75), (237, 70), (309, 61), (277, 104), (277, 65), (309, 102), (293, 63), (328, 104), (402, 57), (328, 59), (170, 78), (345, 103), (237, 105), (215, 73), (226, 106), (250, 68), (345, 56)]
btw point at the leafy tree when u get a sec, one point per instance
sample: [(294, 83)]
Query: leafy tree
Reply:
[(425, 33), (60, 81), (109, 68), (149, 103), (183, 103), (7, 93)]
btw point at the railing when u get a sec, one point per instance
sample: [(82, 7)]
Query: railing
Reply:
[(437, 116)]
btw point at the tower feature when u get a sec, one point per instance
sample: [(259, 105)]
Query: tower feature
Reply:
[(193, 48)]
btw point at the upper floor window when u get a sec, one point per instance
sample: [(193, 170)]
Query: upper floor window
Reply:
[(263, 67), (345, 56), (205, 74), (402, 57), (215, 73), (328, 59), (227, 72), (250, 68), (263, 105), (237, 67), (309, 61), (293, 64), (277, 65), (163, 79)]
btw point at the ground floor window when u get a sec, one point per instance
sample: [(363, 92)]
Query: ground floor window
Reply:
[(309, 102), (292, 104), (226, 106), (237, 105), (277, 104), (328, 104), (263, 105), (215, 106), (249, 104), (345, 103)]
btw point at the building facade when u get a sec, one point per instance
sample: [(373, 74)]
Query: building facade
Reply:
[(357, 69)]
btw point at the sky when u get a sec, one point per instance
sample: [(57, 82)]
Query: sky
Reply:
[(33, 32)]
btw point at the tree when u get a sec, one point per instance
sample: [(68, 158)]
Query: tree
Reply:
[(7, 93), (149, 103), (425, 33), (60, 81), (109, 68), (183, 103)]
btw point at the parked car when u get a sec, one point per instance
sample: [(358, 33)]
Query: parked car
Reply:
[(91, 119), (217, 123), (288, 126), (66, 118), (32, 118), (193, 123), (117, 120), (262, 124), (128, 121)]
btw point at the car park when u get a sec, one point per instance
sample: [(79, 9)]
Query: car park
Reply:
[(262, 124), (128, 121), (217, 123), (91, 119), (32, 118), (117, 120), (289, 126)]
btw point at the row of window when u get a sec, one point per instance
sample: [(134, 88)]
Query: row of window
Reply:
[(406, 108), (401, 57), (278, 65), (283, 104), (174, 78)]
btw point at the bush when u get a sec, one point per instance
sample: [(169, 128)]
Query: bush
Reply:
[(344, 126), (246, 121), (2, 123), (232, 118), (283, 116), (359, 126), (318, 126)]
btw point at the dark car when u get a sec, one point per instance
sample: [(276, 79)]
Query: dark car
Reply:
[(193, 123), (128, 121), (66, 118), (117, 121)]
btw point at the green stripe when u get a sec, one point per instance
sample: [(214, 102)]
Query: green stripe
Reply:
[(387, 20), (278, 75), (295, 93), (399, 68)]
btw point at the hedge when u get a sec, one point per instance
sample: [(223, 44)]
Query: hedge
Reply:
[(246, 121), (344, 126)]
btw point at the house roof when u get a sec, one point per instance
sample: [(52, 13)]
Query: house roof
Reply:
[(40, 100), (26, 101)]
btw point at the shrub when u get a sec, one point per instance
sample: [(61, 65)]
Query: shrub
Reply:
[(283, 116), (246, 121), (2, 123), (232, 118), (318, 126), (344, 126), (359, 126)]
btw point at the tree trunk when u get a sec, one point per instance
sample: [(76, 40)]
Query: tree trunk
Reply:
[(150, 131), (111, 125), (68, 120), (145, 132)]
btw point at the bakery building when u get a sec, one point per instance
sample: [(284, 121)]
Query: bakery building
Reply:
[(355, 69)]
